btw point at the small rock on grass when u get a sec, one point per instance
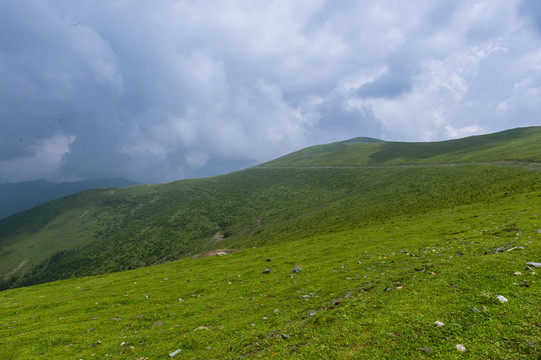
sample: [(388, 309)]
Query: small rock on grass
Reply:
[(296, 269), (502, 298), (174, 353), (266, 271), (426, 349), (439, 324), (534, 264), (285, 336), (460, 347)]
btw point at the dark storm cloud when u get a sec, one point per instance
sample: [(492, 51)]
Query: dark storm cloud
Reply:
[(157, 91)]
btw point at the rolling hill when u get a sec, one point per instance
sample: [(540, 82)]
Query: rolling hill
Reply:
[(521, 144), (108, 230), (17, 197), (396, 261)]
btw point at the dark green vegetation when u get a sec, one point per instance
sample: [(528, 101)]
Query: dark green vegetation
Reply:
[(385, 252), (16, 197), (521, 144), (108, 230)]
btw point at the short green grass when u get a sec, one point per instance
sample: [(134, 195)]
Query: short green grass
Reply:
[(521, 144), (112, 230), (373, 292)]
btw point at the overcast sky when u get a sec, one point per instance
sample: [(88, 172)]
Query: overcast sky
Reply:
[(155, 91)]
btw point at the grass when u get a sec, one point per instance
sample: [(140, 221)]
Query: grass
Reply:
[(372, 292), (112, 230), (521, 144)]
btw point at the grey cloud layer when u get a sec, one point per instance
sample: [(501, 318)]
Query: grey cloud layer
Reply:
[(157, 91)]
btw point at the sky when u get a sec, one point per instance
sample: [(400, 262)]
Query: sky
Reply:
[(156, 91)]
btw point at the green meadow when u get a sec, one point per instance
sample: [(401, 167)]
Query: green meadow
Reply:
[(374, 292), (405, 259)]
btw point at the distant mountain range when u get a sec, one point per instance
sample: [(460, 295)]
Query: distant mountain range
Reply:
[(17, 197)]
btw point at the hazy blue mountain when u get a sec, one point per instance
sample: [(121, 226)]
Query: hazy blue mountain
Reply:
[(16, 197)]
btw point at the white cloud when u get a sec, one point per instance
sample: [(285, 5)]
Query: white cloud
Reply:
[(156, 91)]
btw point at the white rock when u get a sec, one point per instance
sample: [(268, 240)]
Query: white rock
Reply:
[(502, 298), (460, 347), (439, 324), (174, 353)]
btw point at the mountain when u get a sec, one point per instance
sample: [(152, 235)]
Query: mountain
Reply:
[(106, 230), (335, 261), (521, 144), (17, 197)]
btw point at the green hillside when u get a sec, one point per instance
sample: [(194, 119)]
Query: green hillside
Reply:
[(374, 292), (521, 144), (384, 253), (109, 230)]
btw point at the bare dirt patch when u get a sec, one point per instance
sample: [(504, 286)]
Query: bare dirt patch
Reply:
[(219, 252)]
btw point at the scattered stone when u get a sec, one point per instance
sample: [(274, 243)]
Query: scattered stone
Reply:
[(138, 316), (175, 353), (389, 289), (306, 296), (517, 273), (485, 309), (91, 329), (220, 328), (426, 349), (122, 343), (266, 271), (269, 260), (534, 264), (439, 324), (516, 248), (296, 269), (313, 313), (476, 310), (460, 347), (525, 284), (202, 328), (158, 323), (275, 310), (527, 268), (285, 336), (502, 298)]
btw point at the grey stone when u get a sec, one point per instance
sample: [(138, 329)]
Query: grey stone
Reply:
[(534, 264), (426, 349), (285, 336), (266, 271)]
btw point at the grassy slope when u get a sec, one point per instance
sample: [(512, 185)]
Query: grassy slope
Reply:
[(111, 230), (373, 292), (520, 144), (102, 231)]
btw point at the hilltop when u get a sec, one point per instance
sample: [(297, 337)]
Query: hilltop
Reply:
[(106, 230), (521, 144), (398, 261)]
